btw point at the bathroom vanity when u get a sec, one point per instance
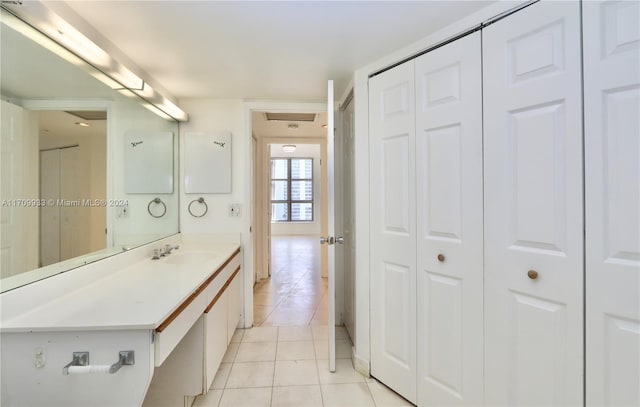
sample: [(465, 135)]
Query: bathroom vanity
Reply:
[(122, 327)]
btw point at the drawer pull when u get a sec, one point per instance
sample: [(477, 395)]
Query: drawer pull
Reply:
[(532, 274), (441, 258)]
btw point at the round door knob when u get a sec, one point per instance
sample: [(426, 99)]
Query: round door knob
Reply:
[(532, 274), (441, 258)]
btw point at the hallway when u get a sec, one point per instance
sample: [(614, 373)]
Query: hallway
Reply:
[(296, 294)]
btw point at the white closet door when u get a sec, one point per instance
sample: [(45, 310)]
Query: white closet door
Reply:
[(449, 220), (50, 214), (612, 164), (393, 229), (71, 236), (533, 207)]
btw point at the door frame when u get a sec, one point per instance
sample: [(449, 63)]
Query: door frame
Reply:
[(254, 243)]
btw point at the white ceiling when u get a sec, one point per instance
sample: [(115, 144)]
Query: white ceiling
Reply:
[(263, 49)]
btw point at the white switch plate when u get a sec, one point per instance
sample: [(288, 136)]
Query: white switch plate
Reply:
[(234, 210)]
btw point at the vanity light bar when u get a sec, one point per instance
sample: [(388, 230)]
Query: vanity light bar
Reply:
[(52, 32)]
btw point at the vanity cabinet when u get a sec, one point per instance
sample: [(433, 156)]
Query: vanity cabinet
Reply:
[(220, 322), (192, 341), (174, 315)]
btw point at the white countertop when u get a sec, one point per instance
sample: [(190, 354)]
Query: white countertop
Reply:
[(139, 296)]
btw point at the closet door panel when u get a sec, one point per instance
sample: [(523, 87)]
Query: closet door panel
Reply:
[(612, 165), (449, 222), (533, 207), (393, 231)]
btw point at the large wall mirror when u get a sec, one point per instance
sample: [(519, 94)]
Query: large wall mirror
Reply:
[(64, 148)]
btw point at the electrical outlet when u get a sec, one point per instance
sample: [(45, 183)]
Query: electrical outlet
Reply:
[(122, 211), (234, 210)]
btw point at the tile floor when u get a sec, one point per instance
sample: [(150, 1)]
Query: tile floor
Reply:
[(296, 294), (288, 366), (283, 360)]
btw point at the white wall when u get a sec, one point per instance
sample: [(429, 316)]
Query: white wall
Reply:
[(302, 228), (216, 115)]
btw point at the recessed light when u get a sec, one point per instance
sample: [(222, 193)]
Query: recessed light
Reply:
[(292, 126), (289, 148), (83, 124), (324, 126)]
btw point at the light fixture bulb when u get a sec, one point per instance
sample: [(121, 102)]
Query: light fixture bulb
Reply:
[(289, 148), (83, 124)]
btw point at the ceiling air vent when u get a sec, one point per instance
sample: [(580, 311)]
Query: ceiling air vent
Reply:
[(291, 117), (89, 114)]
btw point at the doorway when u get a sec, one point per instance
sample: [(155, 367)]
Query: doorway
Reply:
[(73, 183), (288, 259)]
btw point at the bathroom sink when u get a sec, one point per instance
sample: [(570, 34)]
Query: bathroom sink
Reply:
[(190, 258)]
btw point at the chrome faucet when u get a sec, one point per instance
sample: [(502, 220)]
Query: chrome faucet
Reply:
[(168, 249), (157, 254)]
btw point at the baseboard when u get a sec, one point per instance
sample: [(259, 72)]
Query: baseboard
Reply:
[(359, 364)]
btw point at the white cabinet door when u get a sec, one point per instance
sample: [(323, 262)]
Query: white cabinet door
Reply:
[(449, 223), (533, 207), (215, 334), (234, 306), (612, 165), (393, 229)]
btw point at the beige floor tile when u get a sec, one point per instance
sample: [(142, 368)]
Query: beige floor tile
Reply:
[(211, 399), (295, 373), (237, 336), (298, 350), (294, 333), (320, 333), (250, 374), (345, 373), (289, 317), (342, 395), (266, 298), (385, 397), (256, 352), (343, 349), (261, 313), (246, 398), (260, 334), (296, 396), (221, 376), (231, 352)]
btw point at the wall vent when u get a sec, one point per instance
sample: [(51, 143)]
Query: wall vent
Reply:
[(89, 114), (291, 117)]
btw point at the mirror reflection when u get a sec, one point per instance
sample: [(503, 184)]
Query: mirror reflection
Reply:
[(64, 163)]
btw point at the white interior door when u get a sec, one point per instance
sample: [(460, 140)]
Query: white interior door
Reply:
[(331, 265), (393, 229), (12, 248), (612, 165), (449, 224), (533, 207), (50, 214)]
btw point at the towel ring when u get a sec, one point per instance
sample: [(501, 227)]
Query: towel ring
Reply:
[(157, 201), (199, 200)]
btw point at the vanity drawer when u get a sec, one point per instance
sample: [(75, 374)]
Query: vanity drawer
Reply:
[(168, 336), (175, 327)]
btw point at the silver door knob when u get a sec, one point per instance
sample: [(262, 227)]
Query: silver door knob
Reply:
[(327, 240), (340, 240)]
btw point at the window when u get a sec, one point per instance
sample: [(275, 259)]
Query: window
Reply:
[(291, 189)]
